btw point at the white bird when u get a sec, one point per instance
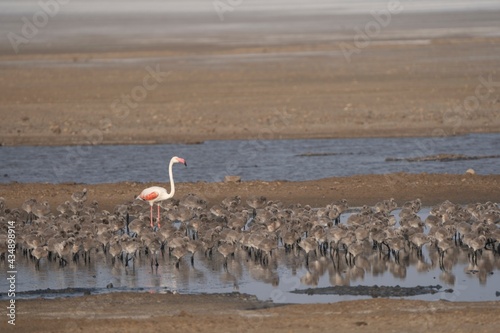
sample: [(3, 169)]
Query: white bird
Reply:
[(156, 193)]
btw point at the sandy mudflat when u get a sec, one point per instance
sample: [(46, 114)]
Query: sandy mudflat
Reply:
[(389, 90), (125, 312), (74, 91), (191, 92), (362, 190)]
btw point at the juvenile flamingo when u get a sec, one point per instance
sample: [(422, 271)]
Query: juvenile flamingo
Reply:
[(156, 193)]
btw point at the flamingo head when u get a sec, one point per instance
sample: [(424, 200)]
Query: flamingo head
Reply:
[(179, 160)]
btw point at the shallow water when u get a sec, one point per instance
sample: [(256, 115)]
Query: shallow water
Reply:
[(268, 160), (285, 273)]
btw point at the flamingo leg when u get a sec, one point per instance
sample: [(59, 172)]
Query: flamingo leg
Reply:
[(151, 215), (159, 226)]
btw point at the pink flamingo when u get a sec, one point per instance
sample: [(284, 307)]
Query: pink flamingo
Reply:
[(156, 193)]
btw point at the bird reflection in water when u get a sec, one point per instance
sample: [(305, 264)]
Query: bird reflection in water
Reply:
[(261, 239)]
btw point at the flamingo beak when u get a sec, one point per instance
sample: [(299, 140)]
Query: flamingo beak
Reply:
[(180, 160)]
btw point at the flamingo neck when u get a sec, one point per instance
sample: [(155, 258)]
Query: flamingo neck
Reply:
[(171, 178)]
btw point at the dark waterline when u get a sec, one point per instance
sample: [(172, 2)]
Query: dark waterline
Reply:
[(268, 160)]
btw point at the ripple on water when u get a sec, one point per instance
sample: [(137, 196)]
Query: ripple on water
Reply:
[(293, 160)]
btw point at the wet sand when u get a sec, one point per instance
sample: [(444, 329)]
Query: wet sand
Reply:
[(432, 189), (120, 312), (75, 92)]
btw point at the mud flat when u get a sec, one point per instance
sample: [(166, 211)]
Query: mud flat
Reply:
[(361, 190), (271, 76), (373, 291), (237, 312)]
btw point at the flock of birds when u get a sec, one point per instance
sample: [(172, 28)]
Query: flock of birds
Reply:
[(77, 230)]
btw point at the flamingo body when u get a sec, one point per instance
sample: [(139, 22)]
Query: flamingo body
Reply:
[(156, 194)]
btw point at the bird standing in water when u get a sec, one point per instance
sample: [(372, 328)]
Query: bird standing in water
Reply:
[(155, 194)]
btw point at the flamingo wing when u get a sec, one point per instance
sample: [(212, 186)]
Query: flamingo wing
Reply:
[(148, 196)]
